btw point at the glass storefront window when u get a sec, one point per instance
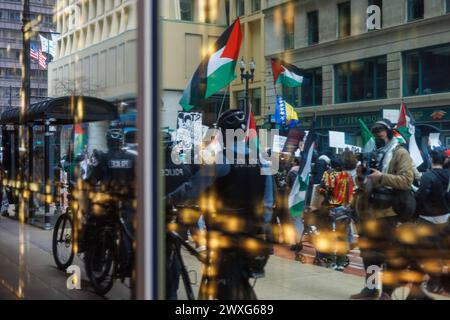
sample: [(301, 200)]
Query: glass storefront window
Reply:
[(361, 80), (426, 71)]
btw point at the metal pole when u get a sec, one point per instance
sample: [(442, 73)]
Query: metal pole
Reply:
[(25, 103), (247, 79), (26, 55), (47, 225)]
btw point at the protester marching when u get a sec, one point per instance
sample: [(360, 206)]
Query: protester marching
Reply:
[(381, 199)]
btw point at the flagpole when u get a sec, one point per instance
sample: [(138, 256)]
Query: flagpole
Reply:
[(223, 102)]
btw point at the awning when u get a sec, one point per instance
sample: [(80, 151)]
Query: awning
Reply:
[(63, 110)]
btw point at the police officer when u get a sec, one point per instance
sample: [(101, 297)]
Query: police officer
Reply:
[(174, 175), (115, 172), (237, 190)]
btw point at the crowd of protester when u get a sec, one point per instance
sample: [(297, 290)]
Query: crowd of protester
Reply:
[(377, 202)]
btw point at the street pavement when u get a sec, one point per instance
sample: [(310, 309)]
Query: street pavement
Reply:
[(27, 271)]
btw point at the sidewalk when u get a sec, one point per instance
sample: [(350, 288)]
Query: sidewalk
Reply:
[(288, 279), (27, 269)]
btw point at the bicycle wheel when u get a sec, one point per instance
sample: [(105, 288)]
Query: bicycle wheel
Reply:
[(100, 262), (62, 246)]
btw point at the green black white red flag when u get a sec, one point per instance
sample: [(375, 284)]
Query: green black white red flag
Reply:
[(297, 197), (217, 70), (286, 74), (406, 127)]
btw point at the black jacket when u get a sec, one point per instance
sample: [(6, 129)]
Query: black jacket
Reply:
[(319, 169), (431, 194)]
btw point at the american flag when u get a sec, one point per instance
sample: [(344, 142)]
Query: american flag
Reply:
[(37, 54)]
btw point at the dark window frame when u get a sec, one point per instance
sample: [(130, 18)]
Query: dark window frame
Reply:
[(420, 55), (342, 8), (313, 27), (374, 85), (296, 96), (289, 34), (240, 4), (191, 16), (412, 8), (254, 9)]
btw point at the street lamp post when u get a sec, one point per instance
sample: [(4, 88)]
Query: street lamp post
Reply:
[(26, 56), (247, 76)]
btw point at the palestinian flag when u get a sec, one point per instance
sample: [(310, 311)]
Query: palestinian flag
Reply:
[(406, 127), (286, 74), (251, 127), (217, 70), (297, 197), (368, 140)]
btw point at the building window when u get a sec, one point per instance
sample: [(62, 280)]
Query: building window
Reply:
[(289, 34), (313, 27), (254, 98), (447, 6), (240, 99), (309, 94), (255, 95), (415, 10), (344, 11), (361, 80), (426, 71), (378, 3), (256, 5), (240, 8), (187, 10)]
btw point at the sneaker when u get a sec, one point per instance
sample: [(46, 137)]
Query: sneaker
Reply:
[(366, 294), (340, 268)]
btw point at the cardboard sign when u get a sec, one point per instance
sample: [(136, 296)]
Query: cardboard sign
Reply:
[(278, 143), (189, 130), (434, 141), (337, 139), (392, 115)]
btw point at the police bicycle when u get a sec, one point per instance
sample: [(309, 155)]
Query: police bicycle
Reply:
[(110, 255), (72, 236), (229, 275)]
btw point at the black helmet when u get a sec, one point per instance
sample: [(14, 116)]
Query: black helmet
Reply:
[(114, 138), (232, 119), (384, 124)]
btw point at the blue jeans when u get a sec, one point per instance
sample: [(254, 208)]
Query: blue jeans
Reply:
[(268, 231), (299, 227)]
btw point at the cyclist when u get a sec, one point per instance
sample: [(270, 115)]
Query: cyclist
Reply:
[(115, 172), (238, 191)]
